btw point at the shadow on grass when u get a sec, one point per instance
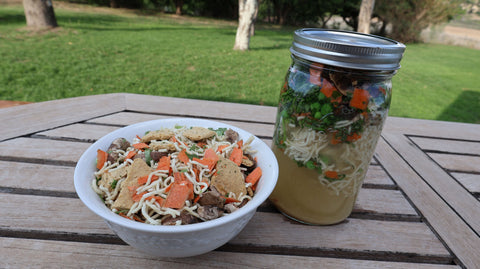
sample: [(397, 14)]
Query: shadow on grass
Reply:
[(466, 108), (12, 19)]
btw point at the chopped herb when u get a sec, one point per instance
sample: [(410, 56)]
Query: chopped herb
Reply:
[(114, 184)]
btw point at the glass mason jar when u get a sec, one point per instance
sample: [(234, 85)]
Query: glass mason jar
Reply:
[(332, 107)]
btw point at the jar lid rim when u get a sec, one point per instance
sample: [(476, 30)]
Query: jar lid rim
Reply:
[(347, 49)]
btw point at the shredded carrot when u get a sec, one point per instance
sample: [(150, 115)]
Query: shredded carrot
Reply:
[(102, 157), (196, 199), (236, 156), (221, 148), (240, 143), (254, 176), (353, 137), (140, 146), (182, 156), (139, 137), (181, 191), (336, 140), (130, 155), (331, 174), (201, 144), (359, 99)]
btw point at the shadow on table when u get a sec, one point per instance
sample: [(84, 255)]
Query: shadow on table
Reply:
[(466, 108)]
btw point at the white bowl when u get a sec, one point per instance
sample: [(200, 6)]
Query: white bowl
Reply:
[(174, 241)]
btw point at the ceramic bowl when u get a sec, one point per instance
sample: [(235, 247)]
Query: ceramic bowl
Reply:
[(174, 241)]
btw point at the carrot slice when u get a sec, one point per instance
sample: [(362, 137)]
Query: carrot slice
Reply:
[(360, 99), (236, 156), (140, 146), (315, 73), (144, 179), (229, 200), (331, 174), (254, 176), (130, 155), (327, 88), (182, 156), (208, 162), (210, 154), (159, 200), (102, 157), (137, 197), (181, 191), (164, 163)]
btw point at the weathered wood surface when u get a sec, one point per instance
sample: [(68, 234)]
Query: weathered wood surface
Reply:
[(28, 253), (462, 240), (418, 207)]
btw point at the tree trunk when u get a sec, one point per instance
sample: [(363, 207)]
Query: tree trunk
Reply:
[(39, 13), (246, 15), (113, 4), (178, 6), (365, 16)]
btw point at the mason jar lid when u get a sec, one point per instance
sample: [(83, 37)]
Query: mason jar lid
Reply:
[(347, 49)]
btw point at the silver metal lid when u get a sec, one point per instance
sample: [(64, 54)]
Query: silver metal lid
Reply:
[(347, 49)]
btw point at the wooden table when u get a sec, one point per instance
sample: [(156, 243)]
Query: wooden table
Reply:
[(418, 207)]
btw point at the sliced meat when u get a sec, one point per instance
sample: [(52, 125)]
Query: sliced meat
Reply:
[(140, 155), (198, 133), (229, 178), (249, 163), (209, 212), (212, 198), (138, 169), (231, 136), (185, 217), (156, 155), (117, 144), (158, 135)]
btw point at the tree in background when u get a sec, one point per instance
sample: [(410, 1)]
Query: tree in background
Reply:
[(408, 18), (365, 16), (247, 10), (39, 13)]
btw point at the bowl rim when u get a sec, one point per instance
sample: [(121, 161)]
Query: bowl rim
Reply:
[(84, 190)]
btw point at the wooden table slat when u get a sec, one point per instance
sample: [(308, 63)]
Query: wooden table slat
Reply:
[(447, 145), (205, 108), (30, 253), (71, 216), (457, 234), (469, 181), (419, 202), (31, 118)]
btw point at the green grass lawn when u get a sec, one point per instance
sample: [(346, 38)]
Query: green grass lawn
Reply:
[(94, 53)]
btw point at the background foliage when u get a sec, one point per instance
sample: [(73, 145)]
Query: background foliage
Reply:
[(102, 50)]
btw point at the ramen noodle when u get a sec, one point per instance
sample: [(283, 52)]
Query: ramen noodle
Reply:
[(177, 176)]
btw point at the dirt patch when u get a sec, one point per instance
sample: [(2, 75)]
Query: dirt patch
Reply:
[(453, 35)]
